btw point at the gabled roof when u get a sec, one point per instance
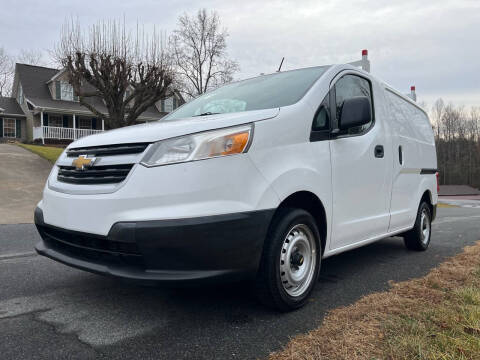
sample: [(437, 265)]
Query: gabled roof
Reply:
[(35, 79), (56, 76), (9, 106)]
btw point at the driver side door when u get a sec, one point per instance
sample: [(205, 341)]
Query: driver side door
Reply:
[(359, 170)]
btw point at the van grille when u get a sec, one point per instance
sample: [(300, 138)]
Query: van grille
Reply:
[(108, 150), (108, 174)]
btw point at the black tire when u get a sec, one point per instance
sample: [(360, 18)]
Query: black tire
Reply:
[(269, 283), (416, 239)]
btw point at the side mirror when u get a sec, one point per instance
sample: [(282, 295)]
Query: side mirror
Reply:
[(355, 112)]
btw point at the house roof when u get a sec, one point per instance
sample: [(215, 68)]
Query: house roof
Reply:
[(35, 79), (9, 105)]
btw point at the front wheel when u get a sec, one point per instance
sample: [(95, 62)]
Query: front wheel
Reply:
[(290, 261), (419, 237)]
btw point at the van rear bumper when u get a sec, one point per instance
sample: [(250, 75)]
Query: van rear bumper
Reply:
[(216, 247)]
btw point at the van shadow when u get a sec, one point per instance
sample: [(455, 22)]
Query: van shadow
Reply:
[(229, 315)]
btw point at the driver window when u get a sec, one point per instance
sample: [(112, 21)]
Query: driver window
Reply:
[(347, 87)]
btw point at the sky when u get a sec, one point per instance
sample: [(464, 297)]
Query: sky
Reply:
[(432, 44)]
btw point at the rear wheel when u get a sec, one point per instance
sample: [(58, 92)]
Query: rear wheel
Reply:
[(290, 261), (419, 237)]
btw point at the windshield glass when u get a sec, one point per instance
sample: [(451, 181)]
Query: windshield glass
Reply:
[(263, 92)]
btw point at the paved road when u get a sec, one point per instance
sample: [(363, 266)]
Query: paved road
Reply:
[(22, 178), (49, 311)]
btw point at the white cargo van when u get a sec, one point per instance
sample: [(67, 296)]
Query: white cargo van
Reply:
[(261, 178)]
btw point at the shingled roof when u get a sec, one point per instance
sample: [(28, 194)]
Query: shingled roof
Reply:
[(9, 106), (34, 81)]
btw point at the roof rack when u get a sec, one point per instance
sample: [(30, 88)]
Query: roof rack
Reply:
[(364, 63), (412, 95)]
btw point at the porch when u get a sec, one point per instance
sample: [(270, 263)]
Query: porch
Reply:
[(61, 133), (55, 126)]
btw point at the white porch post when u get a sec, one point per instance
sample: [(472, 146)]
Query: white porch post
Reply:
[(74, 130), (103, 125), (41, 127)]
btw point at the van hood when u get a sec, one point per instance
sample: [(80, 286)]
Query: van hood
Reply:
[(160, 130)]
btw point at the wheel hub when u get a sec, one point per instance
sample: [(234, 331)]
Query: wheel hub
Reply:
[(298, 260)]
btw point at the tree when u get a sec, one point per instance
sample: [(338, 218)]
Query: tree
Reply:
[(32, 57), (6, 71), (199, 53), (127, 73), (458, 143)]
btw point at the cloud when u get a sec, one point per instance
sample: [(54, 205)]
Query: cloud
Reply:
[(432, 44)]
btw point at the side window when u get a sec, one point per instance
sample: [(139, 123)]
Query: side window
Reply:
[(321, 120), (348, 87)]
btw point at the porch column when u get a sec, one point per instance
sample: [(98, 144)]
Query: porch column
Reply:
[(103, 125), (41, 126), (74, 130)]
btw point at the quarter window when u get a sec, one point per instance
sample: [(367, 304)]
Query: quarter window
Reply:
[(322, 117), (9, 128), (347, 87)]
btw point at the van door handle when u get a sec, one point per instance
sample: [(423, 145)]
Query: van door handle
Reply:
[(379, 151)]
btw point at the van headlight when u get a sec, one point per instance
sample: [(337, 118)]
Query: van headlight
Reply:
[(204, 145)]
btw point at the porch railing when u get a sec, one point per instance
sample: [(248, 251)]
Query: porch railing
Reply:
[(61, 133)]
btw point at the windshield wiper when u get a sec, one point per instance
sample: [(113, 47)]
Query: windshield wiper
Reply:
[(207, 113)]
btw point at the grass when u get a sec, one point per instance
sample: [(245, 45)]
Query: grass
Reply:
[(434, 317), (47, 152)]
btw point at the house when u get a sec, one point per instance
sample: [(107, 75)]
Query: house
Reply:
[(12, 120), (44, 108)]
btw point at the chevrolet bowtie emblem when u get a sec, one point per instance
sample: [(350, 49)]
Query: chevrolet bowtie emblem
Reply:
[(82, 162)]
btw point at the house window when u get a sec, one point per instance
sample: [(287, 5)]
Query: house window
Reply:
[(85, 123), (55, 120), (66, 91), (9, 128), (168, 105)]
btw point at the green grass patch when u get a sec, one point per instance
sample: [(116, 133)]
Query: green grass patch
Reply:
[(47, 152), (448, 330)]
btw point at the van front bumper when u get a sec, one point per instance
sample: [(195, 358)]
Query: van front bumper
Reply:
[(216, 247)]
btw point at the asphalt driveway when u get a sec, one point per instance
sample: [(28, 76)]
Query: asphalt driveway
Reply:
[(22, 178), (51, 311)]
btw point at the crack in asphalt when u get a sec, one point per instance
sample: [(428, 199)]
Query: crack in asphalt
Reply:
[(92, 316), (17, 255)]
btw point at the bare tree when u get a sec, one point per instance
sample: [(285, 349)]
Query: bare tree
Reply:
[(128, 73), (6, 72), (30, 56), (437, 112), (458, 143), (198, 48)]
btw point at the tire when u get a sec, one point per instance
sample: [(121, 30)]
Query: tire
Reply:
[(290, 261), (419, 237)]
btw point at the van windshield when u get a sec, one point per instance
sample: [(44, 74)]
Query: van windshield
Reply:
[(263, 92)]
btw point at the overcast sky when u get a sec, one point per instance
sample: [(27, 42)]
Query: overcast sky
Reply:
[(434, 45)]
